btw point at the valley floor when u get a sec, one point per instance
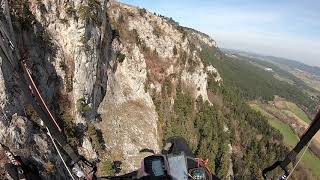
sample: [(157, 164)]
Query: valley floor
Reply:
[(291, 121)]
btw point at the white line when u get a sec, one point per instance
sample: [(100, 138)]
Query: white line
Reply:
[(59, 154), (296, 165), (39, 95)]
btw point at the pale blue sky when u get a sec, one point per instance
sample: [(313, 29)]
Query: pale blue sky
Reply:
[(285, 28)]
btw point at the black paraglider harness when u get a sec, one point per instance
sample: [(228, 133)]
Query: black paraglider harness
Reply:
[(175, 162)]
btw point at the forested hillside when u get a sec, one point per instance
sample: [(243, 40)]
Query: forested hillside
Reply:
[(229, 121), (295, 65), (315, 70), (283, 75), (256, 83), (253, 76), (210, 131)]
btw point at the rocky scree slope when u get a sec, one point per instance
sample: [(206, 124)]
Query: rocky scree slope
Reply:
[(99, 66)]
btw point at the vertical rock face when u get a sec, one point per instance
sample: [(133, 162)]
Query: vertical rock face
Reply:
[(66, 52), (112, 57), (149, 50), (82, 47), (129, 119)]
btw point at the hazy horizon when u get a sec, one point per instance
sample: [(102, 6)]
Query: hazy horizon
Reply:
[(288, 29)]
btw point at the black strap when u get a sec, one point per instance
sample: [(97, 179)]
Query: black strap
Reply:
[(274, 166), (305, 139)]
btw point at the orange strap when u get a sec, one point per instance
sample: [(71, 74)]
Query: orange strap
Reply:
[(204, 162)]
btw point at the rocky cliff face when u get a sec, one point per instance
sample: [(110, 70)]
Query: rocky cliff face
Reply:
[(101, 64)]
